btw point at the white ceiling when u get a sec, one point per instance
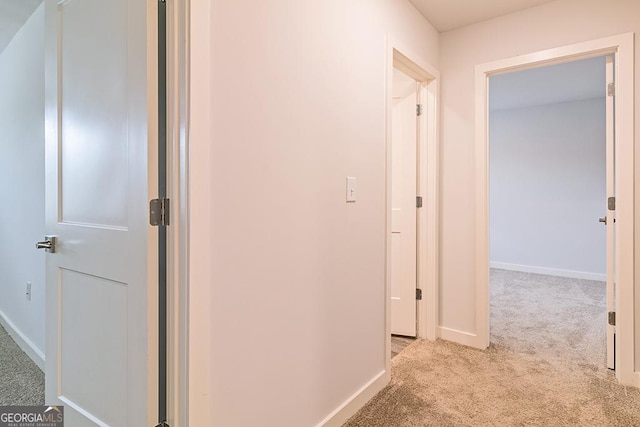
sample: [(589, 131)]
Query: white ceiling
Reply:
[(446, 15), (13, 15), (552, 84)]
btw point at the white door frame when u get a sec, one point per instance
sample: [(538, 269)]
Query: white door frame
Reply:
[(177, 232), (428, 249), (622, 46), (187, 310), (189, 136)]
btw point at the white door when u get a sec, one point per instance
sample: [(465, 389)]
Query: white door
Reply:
[(403, 206), (610, 214), (98, 329)]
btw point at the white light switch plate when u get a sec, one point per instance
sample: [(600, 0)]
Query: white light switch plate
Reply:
[(352, 191)]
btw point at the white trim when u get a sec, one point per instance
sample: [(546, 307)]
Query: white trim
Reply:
[(23, 342), (623, 48), (459, 337), (198, 229), (572, 274), (416, 67), (177, 244), (356, 401)]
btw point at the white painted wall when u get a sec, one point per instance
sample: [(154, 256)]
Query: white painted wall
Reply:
[(547, 174), (22, 180), (557, 23), (295, 276)]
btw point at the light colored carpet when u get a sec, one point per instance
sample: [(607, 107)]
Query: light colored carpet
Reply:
[(548, 316), (21, 381), (535, 373)]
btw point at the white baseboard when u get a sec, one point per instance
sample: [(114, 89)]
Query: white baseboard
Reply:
[(460, 337), (23, 342), (550, 271), (355, 402)]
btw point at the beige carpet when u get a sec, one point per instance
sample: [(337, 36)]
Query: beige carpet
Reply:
[(534, 374), (21, 381)]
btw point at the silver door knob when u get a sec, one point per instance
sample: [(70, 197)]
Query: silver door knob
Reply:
[(603, 219), (49, 244)]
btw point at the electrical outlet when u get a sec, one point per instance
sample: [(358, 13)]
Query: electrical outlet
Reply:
[(28, 292)]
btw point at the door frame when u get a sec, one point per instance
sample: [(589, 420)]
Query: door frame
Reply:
[(428, 250), (188, 141), (182, 375), (622, 47)]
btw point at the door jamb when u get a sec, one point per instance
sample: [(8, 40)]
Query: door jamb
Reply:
[(178, 45), (622, 46), (428, 249)]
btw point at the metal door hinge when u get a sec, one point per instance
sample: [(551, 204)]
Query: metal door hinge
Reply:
[(612, 318), (611, 89), (159, 211), (418, 201), (419, 109), (163, 424), (419, 294), (611, 203)]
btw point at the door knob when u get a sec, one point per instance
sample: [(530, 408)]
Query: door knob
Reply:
[(49, 244)]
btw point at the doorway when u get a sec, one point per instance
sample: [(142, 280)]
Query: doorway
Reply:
[(412, 180), (548, 187), (621, 47), (404, 210), (27, 157)]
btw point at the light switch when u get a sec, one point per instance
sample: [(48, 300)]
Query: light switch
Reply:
[(352, 191)]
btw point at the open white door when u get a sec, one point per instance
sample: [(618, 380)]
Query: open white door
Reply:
[(99, 338), (609, 218), (403, 206)]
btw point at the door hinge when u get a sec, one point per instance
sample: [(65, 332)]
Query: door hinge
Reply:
[(418, 201), (419, 109), (611, 203), (612, 318), (159, 211), (163, 424), (611, 89), (419, 294)]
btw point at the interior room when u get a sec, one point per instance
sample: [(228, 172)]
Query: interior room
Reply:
[(22, 267), (547, 136), (282, 247)]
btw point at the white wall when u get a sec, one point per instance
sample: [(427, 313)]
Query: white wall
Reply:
[(547, 174), (295, 276), (553, 24), (22, 180)]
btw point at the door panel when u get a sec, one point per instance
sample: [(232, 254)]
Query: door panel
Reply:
[(102, 306), (99, 343), (94, 111), (403, 210), (610, 215)]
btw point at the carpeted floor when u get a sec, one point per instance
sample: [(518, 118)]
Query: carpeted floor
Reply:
[(21, 381), (548, 316), (545, 366)]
